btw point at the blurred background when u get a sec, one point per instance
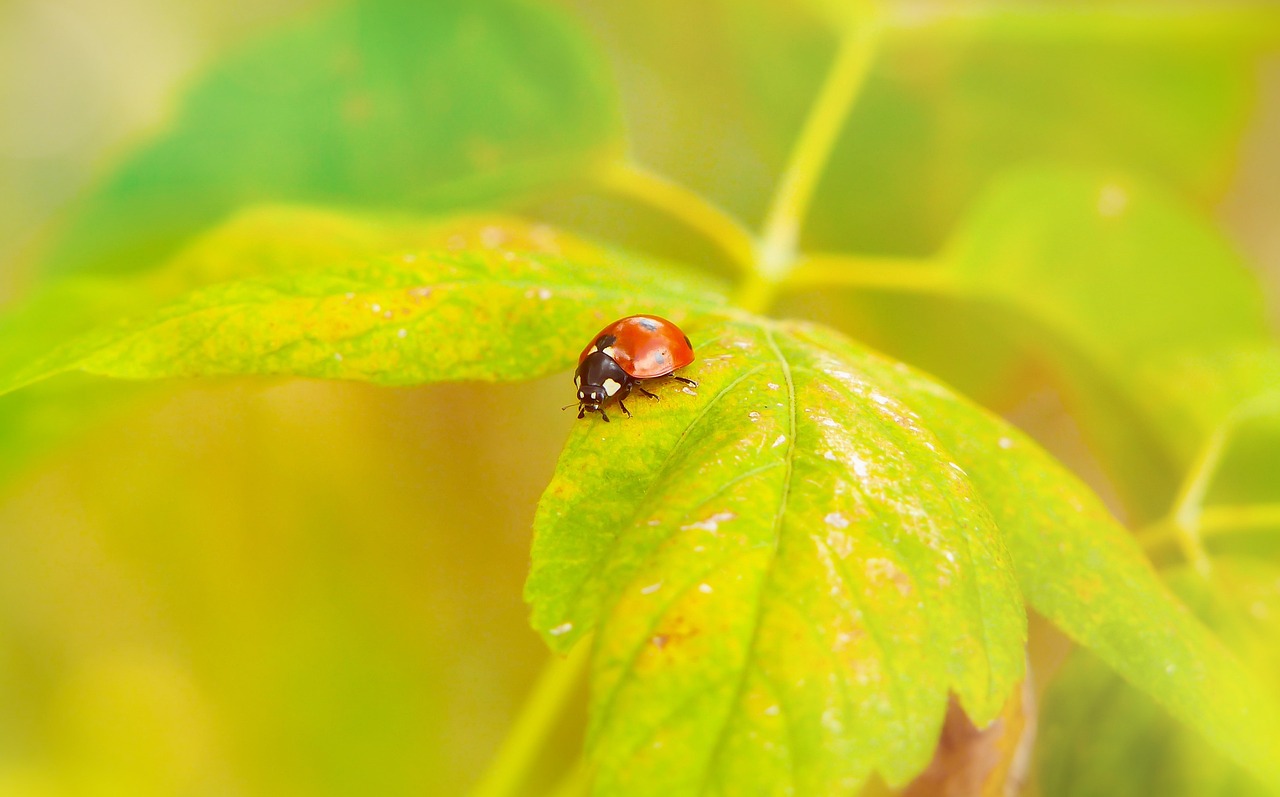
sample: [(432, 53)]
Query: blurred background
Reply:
[(294, 587)]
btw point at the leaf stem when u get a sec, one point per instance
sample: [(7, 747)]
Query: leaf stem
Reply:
[(1215, 521), (812, 149), (544, 706), (913, 275), (689, 207), (1184, 517)]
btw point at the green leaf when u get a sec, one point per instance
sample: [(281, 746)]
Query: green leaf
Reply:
[(1102, 737), (394, 303), (813, 498), (788, 574), (378, 103)]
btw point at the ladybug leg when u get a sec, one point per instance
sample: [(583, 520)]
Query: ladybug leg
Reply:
[(622, 397), (647, 393), (602, 415), (689, 382), (581, 412)]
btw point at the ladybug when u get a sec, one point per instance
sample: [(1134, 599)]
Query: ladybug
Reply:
[(626, 353)]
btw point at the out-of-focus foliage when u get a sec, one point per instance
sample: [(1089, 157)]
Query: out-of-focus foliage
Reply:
[(380, 103), (278, 587), (1102, 737)]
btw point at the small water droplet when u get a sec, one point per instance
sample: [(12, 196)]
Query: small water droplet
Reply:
[(755, 416)]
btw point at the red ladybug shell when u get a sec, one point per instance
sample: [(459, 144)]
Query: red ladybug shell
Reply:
[(645, 346)]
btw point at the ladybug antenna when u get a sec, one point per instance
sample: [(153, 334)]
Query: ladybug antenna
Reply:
[(567, 406)]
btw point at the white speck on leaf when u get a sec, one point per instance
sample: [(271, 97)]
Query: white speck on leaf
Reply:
[(782, 438), (705, 589), (837, 520), (859, 466), (377, 308), (711, 523), (1005, 442), (402, 332), (337, 356), (652, 588), (563, 628), (771, 711)]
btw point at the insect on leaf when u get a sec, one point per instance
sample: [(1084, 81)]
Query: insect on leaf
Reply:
[(787, 573)]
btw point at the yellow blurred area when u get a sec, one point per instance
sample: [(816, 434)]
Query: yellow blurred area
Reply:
[(254, 589)]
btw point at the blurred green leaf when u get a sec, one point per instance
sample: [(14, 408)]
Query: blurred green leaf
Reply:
[(1114, 284), (395, 304), (962, 95), (959, 94), (655, 533), (381, 103), (1101, 737)]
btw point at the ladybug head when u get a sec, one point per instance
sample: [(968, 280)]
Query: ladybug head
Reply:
[(590, 397)]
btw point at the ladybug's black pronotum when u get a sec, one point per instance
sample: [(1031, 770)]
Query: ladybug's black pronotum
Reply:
[(626, 353)]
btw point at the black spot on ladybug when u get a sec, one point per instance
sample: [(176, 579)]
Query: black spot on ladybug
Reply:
[(688, 342), (648, 324), (605, 342)]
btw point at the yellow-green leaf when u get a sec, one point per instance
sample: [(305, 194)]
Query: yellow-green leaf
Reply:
[(393, 303), (788, 574)]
